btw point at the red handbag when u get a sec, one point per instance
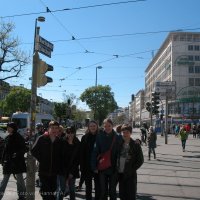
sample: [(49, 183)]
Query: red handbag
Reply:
[(104, 159)]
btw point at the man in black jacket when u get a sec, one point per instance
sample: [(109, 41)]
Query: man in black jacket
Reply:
[(13, 161), (47, 150), (129, 161)]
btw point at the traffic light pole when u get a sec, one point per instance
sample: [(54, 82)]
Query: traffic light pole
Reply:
[(166, 120), (31, 164)]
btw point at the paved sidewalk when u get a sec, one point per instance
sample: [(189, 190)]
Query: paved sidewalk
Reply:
[(174, 175)]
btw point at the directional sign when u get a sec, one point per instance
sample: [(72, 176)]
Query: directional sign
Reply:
[(43, 46), (45, 43), (44, 50), (166, 89)]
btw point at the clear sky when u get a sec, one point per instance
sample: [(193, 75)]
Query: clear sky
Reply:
[(120, 37)]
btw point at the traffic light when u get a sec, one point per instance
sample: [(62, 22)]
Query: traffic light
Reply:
[(42, 68), (155, 102), (148, 106)]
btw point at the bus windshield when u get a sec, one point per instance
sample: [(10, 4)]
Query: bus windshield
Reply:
[(21, 122)]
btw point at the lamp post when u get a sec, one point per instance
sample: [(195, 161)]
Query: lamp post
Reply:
[(30, 181), (98, 67)]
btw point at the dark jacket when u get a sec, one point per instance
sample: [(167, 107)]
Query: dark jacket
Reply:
[(103, 144), (87, 146), (13, 154), (151, 138), (70, 158), (134, 159), (47, 154)]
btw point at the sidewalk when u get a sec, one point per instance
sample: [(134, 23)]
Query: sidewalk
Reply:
[(174, 175)]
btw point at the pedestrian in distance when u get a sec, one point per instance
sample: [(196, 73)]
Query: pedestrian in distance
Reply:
[(194, 131), (47, 151), (87, 145), (13, 160), (107, 142), (130, 159), (183, 136), (143, 130), (118, 130), (151, 138), (70, 156)]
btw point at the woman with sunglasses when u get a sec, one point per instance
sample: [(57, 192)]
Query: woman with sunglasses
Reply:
[(70, 154)]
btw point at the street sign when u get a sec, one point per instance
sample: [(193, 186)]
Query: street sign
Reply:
[(43, 46), (166, 89), (44, 50), (46, 43)]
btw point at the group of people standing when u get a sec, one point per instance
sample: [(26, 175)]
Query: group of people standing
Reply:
[(63, 158)]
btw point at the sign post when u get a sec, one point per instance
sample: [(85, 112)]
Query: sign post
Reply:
[(167, 92)]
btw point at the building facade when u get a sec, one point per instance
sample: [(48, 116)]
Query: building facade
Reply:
[(178, 59)]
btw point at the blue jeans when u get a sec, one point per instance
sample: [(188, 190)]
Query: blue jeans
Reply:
[(62, 188), (21, 189)]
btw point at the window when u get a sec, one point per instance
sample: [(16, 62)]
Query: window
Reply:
[(190, 58), (191, 69), (197, 81), (190, 47), (191, 81), (197, 58), (197, 69), (196, 47)]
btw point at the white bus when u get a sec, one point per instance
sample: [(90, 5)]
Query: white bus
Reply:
[(23, 120)]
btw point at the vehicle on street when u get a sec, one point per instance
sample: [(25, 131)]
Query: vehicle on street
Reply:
[(23, 121)]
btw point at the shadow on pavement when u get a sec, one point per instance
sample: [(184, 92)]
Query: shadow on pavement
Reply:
[(145, 197)]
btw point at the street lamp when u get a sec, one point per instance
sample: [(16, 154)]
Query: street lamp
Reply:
[(40, 19), (98, 67), (30, 181)]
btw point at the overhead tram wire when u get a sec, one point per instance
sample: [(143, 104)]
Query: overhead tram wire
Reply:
[(64, 27), (78, 8)]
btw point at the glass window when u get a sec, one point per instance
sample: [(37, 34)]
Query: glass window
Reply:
[(197, 69), (197, 58), (190, 47), (197, 81), (191, 81), (196, 47), (21, 122), (191, 69), (190, 58)]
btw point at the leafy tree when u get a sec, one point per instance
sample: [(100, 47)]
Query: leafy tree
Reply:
[(18, 99), (60, 110), (101, 99), (12, 59)]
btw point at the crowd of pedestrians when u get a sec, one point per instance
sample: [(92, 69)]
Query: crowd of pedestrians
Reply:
[(103, 159)]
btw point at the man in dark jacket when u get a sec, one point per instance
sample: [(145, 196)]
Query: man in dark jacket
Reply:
[(47, 150), (129, 161), (13, 160)]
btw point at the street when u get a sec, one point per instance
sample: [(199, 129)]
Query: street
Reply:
[(174, 175)]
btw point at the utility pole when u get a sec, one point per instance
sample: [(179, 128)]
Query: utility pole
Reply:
[(31, 164), (166, 119)]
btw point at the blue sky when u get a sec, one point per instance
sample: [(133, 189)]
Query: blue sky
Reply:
[(133, 30)]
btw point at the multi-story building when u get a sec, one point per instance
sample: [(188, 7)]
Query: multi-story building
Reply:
[(178, 59)]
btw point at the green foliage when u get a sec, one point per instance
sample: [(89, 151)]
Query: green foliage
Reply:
[(100, 98), (18, 99)]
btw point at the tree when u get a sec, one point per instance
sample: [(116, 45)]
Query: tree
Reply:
[(12, 59), (18, 99), (60, 110), (100, 98)]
